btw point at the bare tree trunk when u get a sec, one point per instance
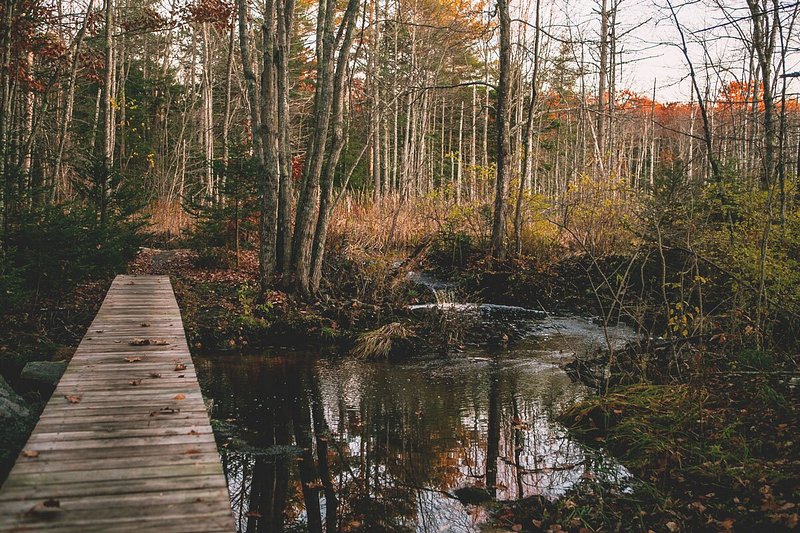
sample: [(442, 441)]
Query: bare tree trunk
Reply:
[(226, 113), (269, 184), (336, 144), (601, 85), (285, 14), (5, 114), (528, 136), (107, 146), (764, 36), (503, 134), (250, 79), (207, 113), (308, 202)]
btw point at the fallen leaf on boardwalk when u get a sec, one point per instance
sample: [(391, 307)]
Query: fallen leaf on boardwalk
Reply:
[(149, 342), (73, 399), (192, 451), (193, 432), (136, 382), (30, 453), (133, 359), (165, 411), (181, 376), (179, 397), (118, 342), (45, 508), (145, 324), (155, 375), (179, 367)]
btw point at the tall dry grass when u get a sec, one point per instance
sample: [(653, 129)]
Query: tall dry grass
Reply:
[(386, 224), (168, 219)]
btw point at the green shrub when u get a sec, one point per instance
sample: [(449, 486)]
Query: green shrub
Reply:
[(52, 250)]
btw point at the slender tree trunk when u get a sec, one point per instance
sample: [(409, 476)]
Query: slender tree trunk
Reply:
[(528, 136), (107, 147), (503, 134), (285, 14)]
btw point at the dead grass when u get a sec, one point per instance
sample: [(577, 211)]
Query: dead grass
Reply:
[(386, 224), (378, 343), (168, 218)]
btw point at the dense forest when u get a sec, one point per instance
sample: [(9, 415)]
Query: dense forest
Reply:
[(388, 181)]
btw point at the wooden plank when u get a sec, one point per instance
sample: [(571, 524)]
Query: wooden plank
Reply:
[(119, 456)]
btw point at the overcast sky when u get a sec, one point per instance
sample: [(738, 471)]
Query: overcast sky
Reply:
[(648, 31)]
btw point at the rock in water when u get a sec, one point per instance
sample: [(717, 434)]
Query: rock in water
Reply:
[(472, 495)]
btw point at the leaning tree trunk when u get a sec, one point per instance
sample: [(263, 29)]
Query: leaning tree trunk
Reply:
[(308, 202), (335, 147)]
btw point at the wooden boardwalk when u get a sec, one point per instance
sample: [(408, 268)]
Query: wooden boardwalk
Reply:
[(125, 443)]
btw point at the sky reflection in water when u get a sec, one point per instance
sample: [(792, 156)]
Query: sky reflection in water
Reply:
[(326, 445)]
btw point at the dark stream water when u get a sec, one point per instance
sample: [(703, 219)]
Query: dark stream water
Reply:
[(322, 444)]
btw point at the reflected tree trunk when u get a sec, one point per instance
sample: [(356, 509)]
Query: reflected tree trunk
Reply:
[(301, 418), (322, 433), (493, 438)]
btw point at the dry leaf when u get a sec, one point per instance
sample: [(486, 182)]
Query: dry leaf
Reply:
[(165, 411), (136, 382), (155, 375), (45, 508), (192, 451), (179, 397), (139, 342), (30, 453), (145, 324), (193, 432), (133, 359), (73, 399), (179, 367)]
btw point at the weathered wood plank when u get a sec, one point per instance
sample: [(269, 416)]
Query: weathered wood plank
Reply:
[(119, 456)]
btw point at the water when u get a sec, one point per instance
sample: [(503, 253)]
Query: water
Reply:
[(381, 447)]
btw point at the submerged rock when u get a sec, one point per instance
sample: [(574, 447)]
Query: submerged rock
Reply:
[(472, 495), (44, 372)]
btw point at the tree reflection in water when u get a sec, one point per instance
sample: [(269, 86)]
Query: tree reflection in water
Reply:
[(324, 445)]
